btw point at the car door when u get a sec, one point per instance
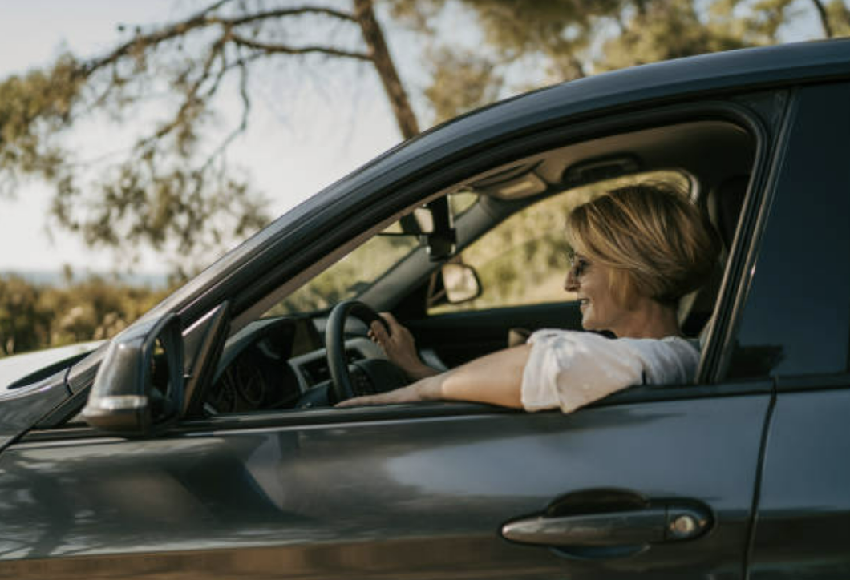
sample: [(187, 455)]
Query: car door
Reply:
[(656, 481), (653, 481), (795, 330), (390, 493)]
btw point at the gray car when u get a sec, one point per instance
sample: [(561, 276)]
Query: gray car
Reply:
[(202, 442)]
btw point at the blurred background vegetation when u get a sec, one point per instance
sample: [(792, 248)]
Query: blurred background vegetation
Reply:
[(173, 189), (35, 316)]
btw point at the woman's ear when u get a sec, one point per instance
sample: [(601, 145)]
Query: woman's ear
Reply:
[(623, 288)]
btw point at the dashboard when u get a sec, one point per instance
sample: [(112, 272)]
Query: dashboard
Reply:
[(274, 363)]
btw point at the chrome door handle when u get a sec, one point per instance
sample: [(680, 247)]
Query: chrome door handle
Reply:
[(651, 525)]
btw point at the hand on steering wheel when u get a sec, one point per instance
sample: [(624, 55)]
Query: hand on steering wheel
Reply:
[(344, 387), (400, 347)]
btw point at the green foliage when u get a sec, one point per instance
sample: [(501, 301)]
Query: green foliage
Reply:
[(33, 107), (34, 316), (838, 16), (525, 44), (171, 187), (462, 81)]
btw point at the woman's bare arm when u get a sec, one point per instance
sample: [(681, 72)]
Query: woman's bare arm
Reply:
[(495, 379)]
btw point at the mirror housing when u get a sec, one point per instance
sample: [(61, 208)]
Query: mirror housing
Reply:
[(461, 283), (442, 241), (454, 283), (139, 385), (433, 224)]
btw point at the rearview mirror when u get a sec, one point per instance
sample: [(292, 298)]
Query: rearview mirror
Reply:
[(139, 385), (433, 224)]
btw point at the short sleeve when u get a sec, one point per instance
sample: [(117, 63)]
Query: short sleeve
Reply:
[(568, 369)]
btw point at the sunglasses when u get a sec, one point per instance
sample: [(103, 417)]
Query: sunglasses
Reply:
[(578, 265)]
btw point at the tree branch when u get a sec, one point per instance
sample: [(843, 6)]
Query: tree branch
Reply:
[(284, 12), (243, 124), (192, 93), (202, 20), (215, 6), (284, 49), (373, 36), (824, 17)]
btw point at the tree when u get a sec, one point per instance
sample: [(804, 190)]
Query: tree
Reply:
[(173, 185), (537, 43)]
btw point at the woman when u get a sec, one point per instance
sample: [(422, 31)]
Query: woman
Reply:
[(638, 250)]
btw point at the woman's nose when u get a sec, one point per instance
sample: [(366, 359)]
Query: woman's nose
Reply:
[(571, 283)]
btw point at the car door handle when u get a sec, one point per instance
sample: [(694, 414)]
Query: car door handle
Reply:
[(651, 525)]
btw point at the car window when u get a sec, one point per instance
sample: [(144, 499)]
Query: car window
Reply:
[(350, 275), (797, 313), (361, 267), (522, 261)]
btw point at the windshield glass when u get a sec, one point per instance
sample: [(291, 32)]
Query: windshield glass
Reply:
[(351, 275), (357, 271)]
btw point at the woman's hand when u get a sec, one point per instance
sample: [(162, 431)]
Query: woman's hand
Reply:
[(399, 347)]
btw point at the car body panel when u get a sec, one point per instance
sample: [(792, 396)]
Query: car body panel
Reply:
[(377, 498), (33, 386), (804, 505)]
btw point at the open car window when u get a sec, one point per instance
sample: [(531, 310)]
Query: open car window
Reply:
[(523, 260), (508, 222)]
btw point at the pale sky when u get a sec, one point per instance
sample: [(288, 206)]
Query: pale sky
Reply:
[(293, 150)]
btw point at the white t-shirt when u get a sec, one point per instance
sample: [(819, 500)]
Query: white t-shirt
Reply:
[(569, 369)]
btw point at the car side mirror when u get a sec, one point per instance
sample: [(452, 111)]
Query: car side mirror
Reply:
[(138, 388), (454, 284)]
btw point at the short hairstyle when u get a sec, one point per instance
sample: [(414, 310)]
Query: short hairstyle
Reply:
[(657, 243)]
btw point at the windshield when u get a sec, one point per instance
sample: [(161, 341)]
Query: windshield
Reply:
[(351, 275), (358, 270)]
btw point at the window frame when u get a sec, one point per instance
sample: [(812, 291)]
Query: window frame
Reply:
[(765, 223), (245, 300)]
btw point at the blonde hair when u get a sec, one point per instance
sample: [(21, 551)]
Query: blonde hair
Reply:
[(655, 241)]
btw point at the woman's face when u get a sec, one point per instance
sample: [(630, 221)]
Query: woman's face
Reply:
[(599, 310)]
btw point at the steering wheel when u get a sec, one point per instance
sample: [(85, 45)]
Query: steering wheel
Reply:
[(369, 373)]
